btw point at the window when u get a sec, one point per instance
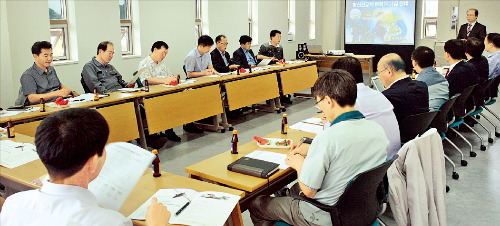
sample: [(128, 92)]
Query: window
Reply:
[(58, 29), (197, 21), (291, 19), (125, 27), (312, 20), (252, 21), (429, 15)]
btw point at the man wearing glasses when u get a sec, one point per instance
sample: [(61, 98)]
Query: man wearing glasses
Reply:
[(408, 97), (334, 157), (157, 71), (221, 58)]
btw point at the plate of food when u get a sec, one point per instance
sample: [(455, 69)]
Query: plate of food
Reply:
[(273, 142), (59, 103)]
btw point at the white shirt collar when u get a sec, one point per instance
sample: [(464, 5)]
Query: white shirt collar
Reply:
[(272, 44), (396, 81), (453, 65), (472, 25), (69, 190)]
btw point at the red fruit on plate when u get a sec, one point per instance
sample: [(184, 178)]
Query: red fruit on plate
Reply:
[(242, 70), (58, 100), (288, 142), (261, 141), (282, 143), (173, 83)]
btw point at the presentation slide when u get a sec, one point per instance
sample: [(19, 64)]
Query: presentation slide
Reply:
[(380, 22)]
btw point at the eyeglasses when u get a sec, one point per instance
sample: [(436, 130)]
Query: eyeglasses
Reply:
[(380, 72), (223, 43), (317, 103)]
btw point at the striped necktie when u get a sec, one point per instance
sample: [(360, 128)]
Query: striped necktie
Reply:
[(468, 29)]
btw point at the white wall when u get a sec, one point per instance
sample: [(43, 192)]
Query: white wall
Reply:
[(23, 23)]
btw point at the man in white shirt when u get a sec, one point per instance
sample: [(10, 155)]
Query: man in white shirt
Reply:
[(350, 146), (70, 144), (373, 104), (157, 72)]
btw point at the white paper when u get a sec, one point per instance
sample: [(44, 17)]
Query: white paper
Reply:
[(270, 157), (307, 127), (200, 211), (124, 166), (14, 154), (5, 113), (128, 90), (85, 97), (224, 74), (314, 121)]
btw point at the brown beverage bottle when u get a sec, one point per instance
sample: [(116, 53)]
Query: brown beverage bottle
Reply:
[(284, 124), (156, 165), (234, 142)]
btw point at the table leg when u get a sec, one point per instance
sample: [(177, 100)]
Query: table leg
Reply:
[(236, 216), (142, 135)]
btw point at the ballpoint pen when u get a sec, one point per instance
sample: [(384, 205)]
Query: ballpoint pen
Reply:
[(182, 208)]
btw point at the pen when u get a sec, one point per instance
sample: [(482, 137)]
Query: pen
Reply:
[(182, 208)]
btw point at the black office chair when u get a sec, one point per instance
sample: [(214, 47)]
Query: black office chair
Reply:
[(361, 201), (460, 111), (491, 94), (477, 97), (440, 122), (185, 72), (415, 125), (85, 88)]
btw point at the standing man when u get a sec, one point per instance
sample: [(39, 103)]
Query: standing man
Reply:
[(198, 62), (492, 46), (221, 58), (272, 49), (472, 28), (70, 144), (244, 56), (407, 96), (100, 74), (40, 80), (422, 60), (461, 74), (334, 157), (157, 72)]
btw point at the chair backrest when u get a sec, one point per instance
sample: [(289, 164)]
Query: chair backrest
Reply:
[(440, 122), (493, 89), (359, 203), (414, 125), (478, 94), (85, 88), (138, 81), (459, 107), (185, 72)]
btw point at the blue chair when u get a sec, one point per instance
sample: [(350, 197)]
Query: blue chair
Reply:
[(477, 97), (491, 94), (361, 201), (460, 111)]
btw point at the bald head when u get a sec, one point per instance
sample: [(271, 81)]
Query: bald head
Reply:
[(390, 68)]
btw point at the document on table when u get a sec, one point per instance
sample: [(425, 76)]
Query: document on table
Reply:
[(268, 156), (307, 127), (129, 90), (5, 113), (200, 210), (124, 166), (85, 97), (219, 75), (14, 154)]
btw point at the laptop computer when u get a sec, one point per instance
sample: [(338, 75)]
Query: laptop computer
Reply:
[(315, 49)]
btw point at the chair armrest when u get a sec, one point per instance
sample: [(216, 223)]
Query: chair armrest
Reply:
[(321, 206)]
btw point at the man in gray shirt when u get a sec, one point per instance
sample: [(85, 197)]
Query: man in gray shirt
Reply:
[(100, 74), (40, 80), (422, 59), (271, 49)]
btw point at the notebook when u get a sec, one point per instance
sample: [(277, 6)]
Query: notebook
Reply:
[(253, 167)]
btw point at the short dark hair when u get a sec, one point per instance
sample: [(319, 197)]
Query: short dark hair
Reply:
[(103, 46), (38, 46), (244, 39), (424, 56), (205, 40), (351, 65), (493, 38), (339, 85), (219, 37), (476, 12), (158, 45), (474, 47), (456, 48), (274, 32), (67, 139)]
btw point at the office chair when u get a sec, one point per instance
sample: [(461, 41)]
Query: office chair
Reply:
[(440, 122), (138, 81), (362, 199), (85, 88), (459, 111), (477, 97), (185, 72), (414, 125), (491, 94)]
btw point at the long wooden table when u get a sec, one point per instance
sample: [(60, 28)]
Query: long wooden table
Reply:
[(325, 62), (215, 169), (20, 178)]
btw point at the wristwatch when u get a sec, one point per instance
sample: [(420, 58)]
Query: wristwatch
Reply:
[(306, 140)]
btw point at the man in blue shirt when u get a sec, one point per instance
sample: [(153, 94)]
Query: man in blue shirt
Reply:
[(492, 46), (422, 60), (334, 157), (198, 61), (244, 56)]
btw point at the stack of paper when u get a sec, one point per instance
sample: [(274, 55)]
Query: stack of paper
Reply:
[(204, 208), (14, 154), (85, 97), (270, 157), (5, 113), (312, 125)]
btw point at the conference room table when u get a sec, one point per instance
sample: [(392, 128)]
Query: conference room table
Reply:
[(20, 178), (325, 62), (214, 169)]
